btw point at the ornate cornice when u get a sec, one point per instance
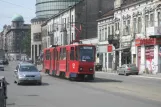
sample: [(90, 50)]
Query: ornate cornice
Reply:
[(125, 17), (136, 14)]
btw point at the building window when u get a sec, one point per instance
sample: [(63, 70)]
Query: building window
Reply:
[(139, 24), (124, 29), (106, 36), (39, 49), (128, 27), (159, 19), (147, 20), (35, 52), (135, 25), (102, 35), (112, 30), (152, 20), (109, 30), (72, 19)]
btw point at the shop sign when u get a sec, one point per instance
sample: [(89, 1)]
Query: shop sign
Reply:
[(139, 52), (149, 52), (146, 42), (109, 48)]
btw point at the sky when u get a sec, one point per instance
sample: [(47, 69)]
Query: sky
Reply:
[(8, 8)]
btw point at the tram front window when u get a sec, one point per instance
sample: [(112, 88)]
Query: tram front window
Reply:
[(86, 53)]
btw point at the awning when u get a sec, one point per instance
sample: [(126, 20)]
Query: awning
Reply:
[(120, 49)]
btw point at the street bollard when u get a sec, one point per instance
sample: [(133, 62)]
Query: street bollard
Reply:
[(3, 91)]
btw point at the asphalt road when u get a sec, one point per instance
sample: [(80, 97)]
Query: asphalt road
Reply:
[(105, 91)]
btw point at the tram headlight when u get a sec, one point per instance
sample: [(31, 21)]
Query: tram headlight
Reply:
[(91, 69), (81, 69)]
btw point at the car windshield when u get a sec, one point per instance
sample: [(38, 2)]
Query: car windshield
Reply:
[(86, 53), (28, 68)]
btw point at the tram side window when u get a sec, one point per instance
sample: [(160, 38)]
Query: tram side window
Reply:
[(63, 54), (55, 54), (48, 55), (72, 53)]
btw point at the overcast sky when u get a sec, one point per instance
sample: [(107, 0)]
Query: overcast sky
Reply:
[(8, 8)]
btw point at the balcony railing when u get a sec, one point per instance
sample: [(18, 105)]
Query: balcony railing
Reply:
[(114, 39)]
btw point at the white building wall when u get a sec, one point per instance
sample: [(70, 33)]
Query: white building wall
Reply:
[(60, 37), (35, 28), (102, 37)]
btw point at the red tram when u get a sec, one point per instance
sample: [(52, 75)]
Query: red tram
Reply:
[(75, 62)]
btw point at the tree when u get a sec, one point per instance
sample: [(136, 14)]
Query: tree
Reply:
[(26, 43)]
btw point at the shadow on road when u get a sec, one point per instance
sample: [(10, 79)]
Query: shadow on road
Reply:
[(29, 84), (97, 80)]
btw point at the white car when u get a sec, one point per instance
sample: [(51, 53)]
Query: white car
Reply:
[(1, 66)]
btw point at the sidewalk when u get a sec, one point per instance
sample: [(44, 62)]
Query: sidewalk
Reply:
[(152, 76)]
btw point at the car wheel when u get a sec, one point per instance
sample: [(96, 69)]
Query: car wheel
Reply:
[(125, 73), (137, 73), (40, 83), (18, 83), (15, 81), (118, 73)]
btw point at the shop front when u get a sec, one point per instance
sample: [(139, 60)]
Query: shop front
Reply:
[(105, 56), (148, 55)]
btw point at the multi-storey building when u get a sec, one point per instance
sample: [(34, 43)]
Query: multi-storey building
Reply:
[(79, 19), (136, 25), (44, 10), (15, 35)]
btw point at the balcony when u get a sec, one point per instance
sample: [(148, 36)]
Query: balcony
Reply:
[(153, 31), (114, 39)]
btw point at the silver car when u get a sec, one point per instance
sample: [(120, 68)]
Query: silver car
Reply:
[(1, 66), (27, 73), (127, 69)]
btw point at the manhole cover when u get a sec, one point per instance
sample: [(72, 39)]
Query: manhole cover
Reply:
[(32, 95)]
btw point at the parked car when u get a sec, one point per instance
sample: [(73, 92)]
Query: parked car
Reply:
[(1, 66), (128, 69), (27, 73)]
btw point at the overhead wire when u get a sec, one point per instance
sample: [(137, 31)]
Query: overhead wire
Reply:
[(16, 4)]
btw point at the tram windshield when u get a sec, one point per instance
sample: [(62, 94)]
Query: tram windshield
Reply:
[(86, 53)]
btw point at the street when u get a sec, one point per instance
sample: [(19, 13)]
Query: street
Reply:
[(105, 91)]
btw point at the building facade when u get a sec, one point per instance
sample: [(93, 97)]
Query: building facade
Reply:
[(137, 24), (3, 37), (1, 40), (76, 21), (15, 36), (105, 31), (48, 8), (44, 10)]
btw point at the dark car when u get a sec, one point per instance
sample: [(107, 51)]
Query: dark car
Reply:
[(1, 66)]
